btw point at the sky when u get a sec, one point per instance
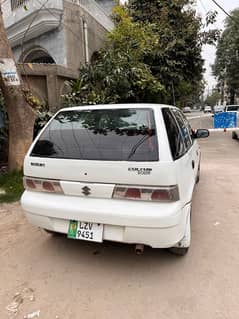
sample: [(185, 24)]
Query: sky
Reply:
[(209, 51)]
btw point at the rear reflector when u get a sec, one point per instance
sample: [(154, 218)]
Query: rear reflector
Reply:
[(159, 194), (42, 185)]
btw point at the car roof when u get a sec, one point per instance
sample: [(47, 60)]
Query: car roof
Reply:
[(117, 106)]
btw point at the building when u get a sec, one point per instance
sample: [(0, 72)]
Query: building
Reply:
[(52, 39)]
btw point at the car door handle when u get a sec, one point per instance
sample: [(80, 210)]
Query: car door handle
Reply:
[(193, 164)]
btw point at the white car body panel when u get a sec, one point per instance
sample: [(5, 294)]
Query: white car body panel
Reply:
[(153, 224), (156, 224)]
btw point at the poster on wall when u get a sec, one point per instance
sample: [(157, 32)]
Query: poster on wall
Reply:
[(9, 72)]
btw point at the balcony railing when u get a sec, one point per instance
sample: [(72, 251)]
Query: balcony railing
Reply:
[(17, 3)]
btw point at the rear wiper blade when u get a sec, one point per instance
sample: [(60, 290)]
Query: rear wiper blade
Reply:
[(137, 145)]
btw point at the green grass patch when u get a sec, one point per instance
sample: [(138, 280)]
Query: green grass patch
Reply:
[(11, 187)]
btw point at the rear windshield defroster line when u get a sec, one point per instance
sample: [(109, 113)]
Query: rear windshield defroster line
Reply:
[(104, 134)]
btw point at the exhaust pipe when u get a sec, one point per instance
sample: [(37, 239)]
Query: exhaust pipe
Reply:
[(139, 249)]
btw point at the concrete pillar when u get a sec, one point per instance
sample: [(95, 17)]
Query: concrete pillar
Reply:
[(53, 92)]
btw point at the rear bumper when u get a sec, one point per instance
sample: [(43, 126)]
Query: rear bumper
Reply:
[(153, 224)]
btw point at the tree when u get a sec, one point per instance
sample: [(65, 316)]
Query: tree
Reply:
[(176, 60), (213, 98), (119, 75), (226, 66), (3, 132), (152, 55), (20, 113)]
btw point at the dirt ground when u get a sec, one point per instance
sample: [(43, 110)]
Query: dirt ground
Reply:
[(72, 279)]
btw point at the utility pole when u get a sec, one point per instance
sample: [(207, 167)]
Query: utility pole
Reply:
[(20, 114)]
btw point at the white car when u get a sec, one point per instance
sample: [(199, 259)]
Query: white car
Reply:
[(232, 108), (187, 109), (218, 108), (207, 109), (123, 173)]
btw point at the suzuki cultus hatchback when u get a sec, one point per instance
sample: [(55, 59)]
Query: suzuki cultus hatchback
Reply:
[(123, 173)]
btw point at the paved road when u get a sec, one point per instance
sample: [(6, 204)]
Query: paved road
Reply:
[(73, 279), (200, 120)]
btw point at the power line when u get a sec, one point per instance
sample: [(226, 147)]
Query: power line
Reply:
[(23, 41), (42, 6), (222, 9), (47, 9)]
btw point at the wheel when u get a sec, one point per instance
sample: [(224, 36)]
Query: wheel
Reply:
[(180, 251), (234, 135), (51, 232)]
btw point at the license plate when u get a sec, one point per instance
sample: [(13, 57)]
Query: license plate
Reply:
[(85, 231)]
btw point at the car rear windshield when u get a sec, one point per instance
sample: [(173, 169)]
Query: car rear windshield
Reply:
[(104, 134)]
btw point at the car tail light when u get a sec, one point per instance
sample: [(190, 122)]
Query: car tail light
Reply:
[(132, 193), (29, 184), (42, 185), (48, 186), (159, 194)]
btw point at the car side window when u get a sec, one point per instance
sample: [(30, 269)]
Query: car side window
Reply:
[(184, 128), (174, 135), (190, 130)]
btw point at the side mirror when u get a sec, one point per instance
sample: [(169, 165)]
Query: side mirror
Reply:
[(201, 133)]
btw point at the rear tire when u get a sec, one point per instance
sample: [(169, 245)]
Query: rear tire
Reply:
[(179, 251), (234, 135), (51, 232)]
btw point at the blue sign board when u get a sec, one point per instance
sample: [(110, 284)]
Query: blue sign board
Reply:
[(225, 120)]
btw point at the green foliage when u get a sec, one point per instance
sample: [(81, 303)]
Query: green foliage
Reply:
[(43, 115), (176, 59), (189, 94), (226, 66), (119, 74), (117, 77), (152, 55), (12, 184), (213, 98), (210, 36)]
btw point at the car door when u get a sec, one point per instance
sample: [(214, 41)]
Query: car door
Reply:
[(188, 163), (179, 143), (192, 149)]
